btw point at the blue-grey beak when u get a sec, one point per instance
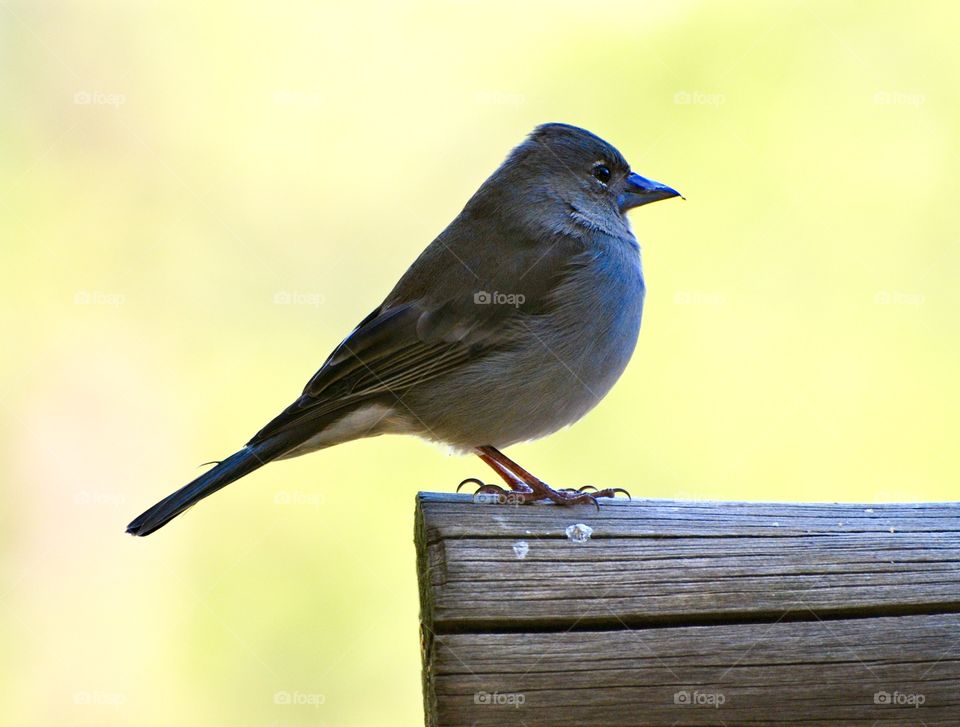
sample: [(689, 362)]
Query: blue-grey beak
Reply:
[(640, 190)]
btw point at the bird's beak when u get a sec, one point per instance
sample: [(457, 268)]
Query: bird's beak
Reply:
[(640, 190)]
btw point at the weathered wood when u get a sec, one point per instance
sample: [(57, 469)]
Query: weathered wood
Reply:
[(692, 613)]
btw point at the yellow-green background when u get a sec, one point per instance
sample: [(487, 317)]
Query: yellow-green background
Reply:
[(166, 169)]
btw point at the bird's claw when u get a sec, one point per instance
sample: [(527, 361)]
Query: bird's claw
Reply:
[(593, 492), (566, 496), (486, 492), (471, 481)]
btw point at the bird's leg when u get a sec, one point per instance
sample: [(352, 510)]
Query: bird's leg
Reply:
[(503, 470), (528, 488), (518, 489)]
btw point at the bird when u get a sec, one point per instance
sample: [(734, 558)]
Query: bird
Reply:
[(512, 324)]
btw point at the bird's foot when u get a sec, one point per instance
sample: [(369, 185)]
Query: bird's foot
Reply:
[(570, 496), (537, 491), (488, 493), (525, 487)]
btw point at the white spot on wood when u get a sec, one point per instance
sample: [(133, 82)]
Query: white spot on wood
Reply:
[(579, 533), (521, 548)]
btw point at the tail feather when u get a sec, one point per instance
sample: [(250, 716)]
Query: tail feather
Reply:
[(229, 470)]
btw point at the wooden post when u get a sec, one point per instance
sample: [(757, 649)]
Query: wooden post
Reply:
[(689, 613)]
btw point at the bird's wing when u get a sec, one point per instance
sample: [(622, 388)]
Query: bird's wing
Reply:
[(383, 357), (406, 342)]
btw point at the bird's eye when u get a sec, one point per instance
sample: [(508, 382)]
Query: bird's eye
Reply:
[(602, 172)]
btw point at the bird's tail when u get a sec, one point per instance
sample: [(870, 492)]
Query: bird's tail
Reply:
[(229, 470)]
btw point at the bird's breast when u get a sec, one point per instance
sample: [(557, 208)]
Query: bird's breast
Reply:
[(573, 355), (597, 328), (560, 363)]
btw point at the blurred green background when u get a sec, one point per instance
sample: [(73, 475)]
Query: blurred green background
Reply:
[(200, 199)]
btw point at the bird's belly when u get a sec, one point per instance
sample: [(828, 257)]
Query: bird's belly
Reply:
[(569, 361)]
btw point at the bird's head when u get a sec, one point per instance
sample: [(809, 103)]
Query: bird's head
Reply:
[(566, 169)]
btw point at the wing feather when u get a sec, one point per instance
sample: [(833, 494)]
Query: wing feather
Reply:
[(414, 337)]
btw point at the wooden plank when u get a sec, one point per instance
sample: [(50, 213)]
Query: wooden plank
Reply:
[(715, 563), (869, 672), (790, 613), (452, 515)]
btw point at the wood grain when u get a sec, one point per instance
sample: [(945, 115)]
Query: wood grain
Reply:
[(760, 613)]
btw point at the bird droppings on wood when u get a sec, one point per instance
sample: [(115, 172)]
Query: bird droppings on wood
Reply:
[(521, 548), (579, 533)]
